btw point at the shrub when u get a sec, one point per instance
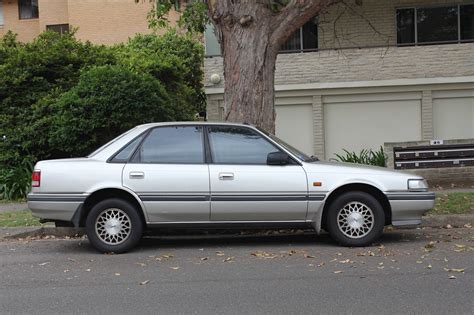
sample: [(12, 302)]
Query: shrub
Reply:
[(49, 65), (107, 101), (61, 97), (15, 182), (369, 157)]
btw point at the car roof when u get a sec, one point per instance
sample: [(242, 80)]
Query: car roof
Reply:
[(186, 123)]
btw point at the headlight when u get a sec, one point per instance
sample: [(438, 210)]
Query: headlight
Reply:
[(417, 185)]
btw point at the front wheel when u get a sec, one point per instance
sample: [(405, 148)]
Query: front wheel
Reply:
[(355, 219), (114, 225)]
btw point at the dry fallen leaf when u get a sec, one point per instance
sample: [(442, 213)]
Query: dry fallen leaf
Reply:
[(204, 258), (454, 269), (229, 259), (144, 282), (452, 277), (175, 268), (43, 264), (219, 253), (262, 254), (338, 271), (429, 267)]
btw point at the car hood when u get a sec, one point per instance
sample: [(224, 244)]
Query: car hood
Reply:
[(352, 168)]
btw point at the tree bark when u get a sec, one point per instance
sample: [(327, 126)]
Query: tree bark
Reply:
[(250, 35)]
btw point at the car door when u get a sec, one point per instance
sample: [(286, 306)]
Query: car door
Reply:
[(244, 187), (169, 174)]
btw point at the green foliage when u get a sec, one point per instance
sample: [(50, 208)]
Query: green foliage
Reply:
[(174, 59), (107, 101), (368, 157), (15, 182), (60, 97)]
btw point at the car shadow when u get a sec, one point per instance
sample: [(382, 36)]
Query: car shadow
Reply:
[(176, 240)]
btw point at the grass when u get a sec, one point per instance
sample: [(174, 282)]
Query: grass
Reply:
[(454, 203), (18, 219)]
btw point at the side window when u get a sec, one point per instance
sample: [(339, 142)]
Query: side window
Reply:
[(235, 145), (126, 153), (178, 145)]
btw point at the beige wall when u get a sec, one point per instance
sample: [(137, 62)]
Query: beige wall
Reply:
[(99, 21), (26, 29), (53, 12), (108, 21)]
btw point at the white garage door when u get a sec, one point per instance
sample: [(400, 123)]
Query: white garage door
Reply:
[(453, 114), (294, 124), (356, 122)]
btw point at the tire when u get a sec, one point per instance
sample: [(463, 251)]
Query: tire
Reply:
[(355, 219), (114, 225)]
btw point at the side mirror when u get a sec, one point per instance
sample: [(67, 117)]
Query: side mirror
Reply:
[(278, 158)]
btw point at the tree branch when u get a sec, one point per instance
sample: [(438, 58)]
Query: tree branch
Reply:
[(294, 15)]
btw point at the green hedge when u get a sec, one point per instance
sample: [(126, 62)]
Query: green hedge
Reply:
[(60, 97)]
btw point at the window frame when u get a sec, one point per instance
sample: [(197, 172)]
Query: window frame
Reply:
[(132, 159), (19, 11), (50, 27), (207, 147), (2, 15), (301, 31), (442, 5), (278, 148)]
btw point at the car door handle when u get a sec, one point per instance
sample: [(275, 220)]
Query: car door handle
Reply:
[(137, 175), (226, 176)]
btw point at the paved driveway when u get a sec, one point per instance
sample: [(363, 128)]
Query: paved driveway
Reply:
[(414, 271)]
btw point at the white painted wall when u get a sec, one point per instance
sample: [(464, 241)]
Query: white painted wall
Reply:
[(294, 124), (367, 122), (453, 114)]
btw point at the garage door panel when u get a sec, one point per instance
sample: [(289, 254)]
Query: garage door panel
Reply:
[(294, 124), (453, 118), (368, 125)]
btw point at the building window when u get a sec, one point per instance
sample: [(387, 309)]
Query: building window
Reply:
[(59, 28), (304, 39), (435, 25), (1, 13), (28, 9)]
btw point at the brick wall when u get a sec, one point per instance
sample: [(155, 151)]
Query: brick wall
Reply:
[(366, 64), (462, 175), (370, 24), (99, 21), (26, 29)]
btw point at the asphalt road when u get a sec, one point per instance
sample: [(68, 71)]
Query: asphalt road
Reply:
[(409, 273)]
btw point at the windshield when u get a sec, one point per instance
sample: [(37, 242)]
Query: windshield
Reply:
[(302, 156), (110, 142)]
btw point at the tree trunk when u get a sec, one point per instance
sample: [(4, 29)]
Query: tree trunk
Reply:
[(250, 34)]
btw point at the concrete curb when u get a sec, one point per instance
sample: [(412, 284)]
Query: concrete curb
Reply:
[(43, 231), (433, 221), (455, 220)]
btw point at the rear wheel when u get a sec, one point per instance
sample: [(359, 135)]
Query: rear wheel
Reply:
[(114, 225), (355, 219)]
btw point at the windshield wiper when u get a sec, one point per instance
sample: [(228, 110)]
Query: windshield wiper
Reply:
[(312, 159)]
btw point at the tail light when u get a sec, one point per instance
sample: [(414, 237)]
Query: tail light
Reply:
[(36, 178)]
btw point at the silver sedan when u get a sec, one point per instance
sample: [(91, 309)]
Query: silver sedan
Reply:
[(216, 175)]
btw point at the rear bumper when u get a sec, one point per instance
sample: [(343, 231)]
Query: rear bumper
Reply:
[(409, 207), (55, 207)]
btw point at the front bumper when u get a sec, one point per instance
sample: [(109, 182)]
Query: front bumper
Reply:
[(409, 207), (55, 207)]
